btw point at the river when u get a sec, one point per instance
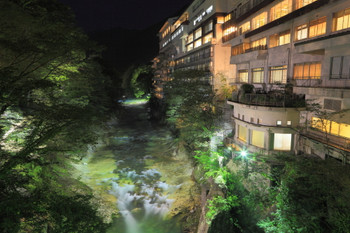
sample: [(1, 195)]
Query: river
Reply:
[(138, 171)]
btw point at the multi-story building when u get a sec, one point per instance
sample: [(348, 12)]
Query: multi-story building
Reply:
[(298, 44), (194, 41), (290, 61)]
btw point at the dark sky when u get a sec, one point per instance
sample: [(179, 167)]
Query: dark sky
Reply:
[(95, 15)]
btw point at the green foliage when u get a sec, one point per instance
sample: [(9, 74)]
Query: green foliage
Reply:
[(52, 94), (313, 196), (191, 109), (141, 81), (219, 204)]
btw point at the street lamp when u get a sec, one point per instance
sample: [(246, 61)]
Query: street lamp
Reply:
[(244, 153)]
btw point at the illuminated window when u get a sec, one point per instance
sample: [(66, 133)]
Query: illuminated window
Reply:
[(198, 43), (344, 130), (320, 124), (220, 19), (280, 39), (208, 27), (281, 9), (278, 122), (278, 74), (242, 76), (190, 38), (302, 3), (341, 20), (242, 133), (189, 47), (244, 27), (282, 141), (258, 138), (227, 18), (289, 123), (259, 20), (332, 127), (307, 71), (198, 33), (258, 44), (301, 32), (229, 30), (208, 38), (317, 27), (258, 75), (236, 50)]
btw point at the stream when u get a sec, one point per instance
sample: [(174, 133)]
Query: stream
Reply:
[(137, 174)]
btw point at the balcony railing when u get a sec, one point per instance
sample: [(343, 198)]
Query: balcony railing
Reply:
[(328, 139), (260, 47), (271, 99)]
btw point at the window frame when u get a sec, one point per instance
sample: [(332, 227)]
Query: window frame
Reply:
[(275, 69), (260, 71)]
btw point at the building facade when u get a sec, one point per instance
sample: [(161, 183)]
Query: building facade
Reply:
[(194, 41), (290, 62)]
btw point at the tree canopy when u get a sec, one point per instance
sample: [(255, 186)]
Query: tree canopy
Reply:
[(52, 94)]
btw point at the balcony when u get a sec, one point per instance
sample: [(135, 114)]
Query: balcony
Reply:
[(327, 139), (271, 99), (254, 53)]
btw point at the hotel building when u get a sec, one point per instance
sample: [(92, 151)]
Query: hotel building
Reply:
[(194, 41), (290, 62)]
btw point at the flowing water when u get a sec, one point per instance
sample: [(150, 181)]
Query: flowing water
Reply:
[(134, 169)]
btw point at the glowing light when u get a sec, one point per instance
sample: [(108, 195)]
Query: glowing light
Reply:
[(204, 13), (244, 153)]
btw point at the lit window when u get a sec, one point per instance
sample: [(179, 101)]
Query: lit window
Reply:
[(279, 123), (289, 123), (301, 32), (258, 138), (229, 30), (282, 141), (243, 76), (302, 3), (258, 75), (317, 27), (307, 71), (236, 50), (198, 43), (281, 9), (208, 38), (332, 127), (227, 17), (190, 38), (341, 20), (280, 39), (278, 74), (259, 20), (242, 133), (189, 47), (198, 33), (320, 124), (244, 27), (258, 44), (220, 20)]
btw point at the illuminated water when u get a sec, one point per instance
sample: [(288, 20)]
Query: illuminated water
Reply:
[(123, 169)]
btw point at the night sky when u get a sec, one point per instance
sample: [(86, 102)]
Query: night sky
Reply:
[(95, 15)]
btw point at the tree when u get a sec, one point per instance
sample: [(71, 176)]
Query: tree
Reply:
[(191, 109), (52, 93)]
